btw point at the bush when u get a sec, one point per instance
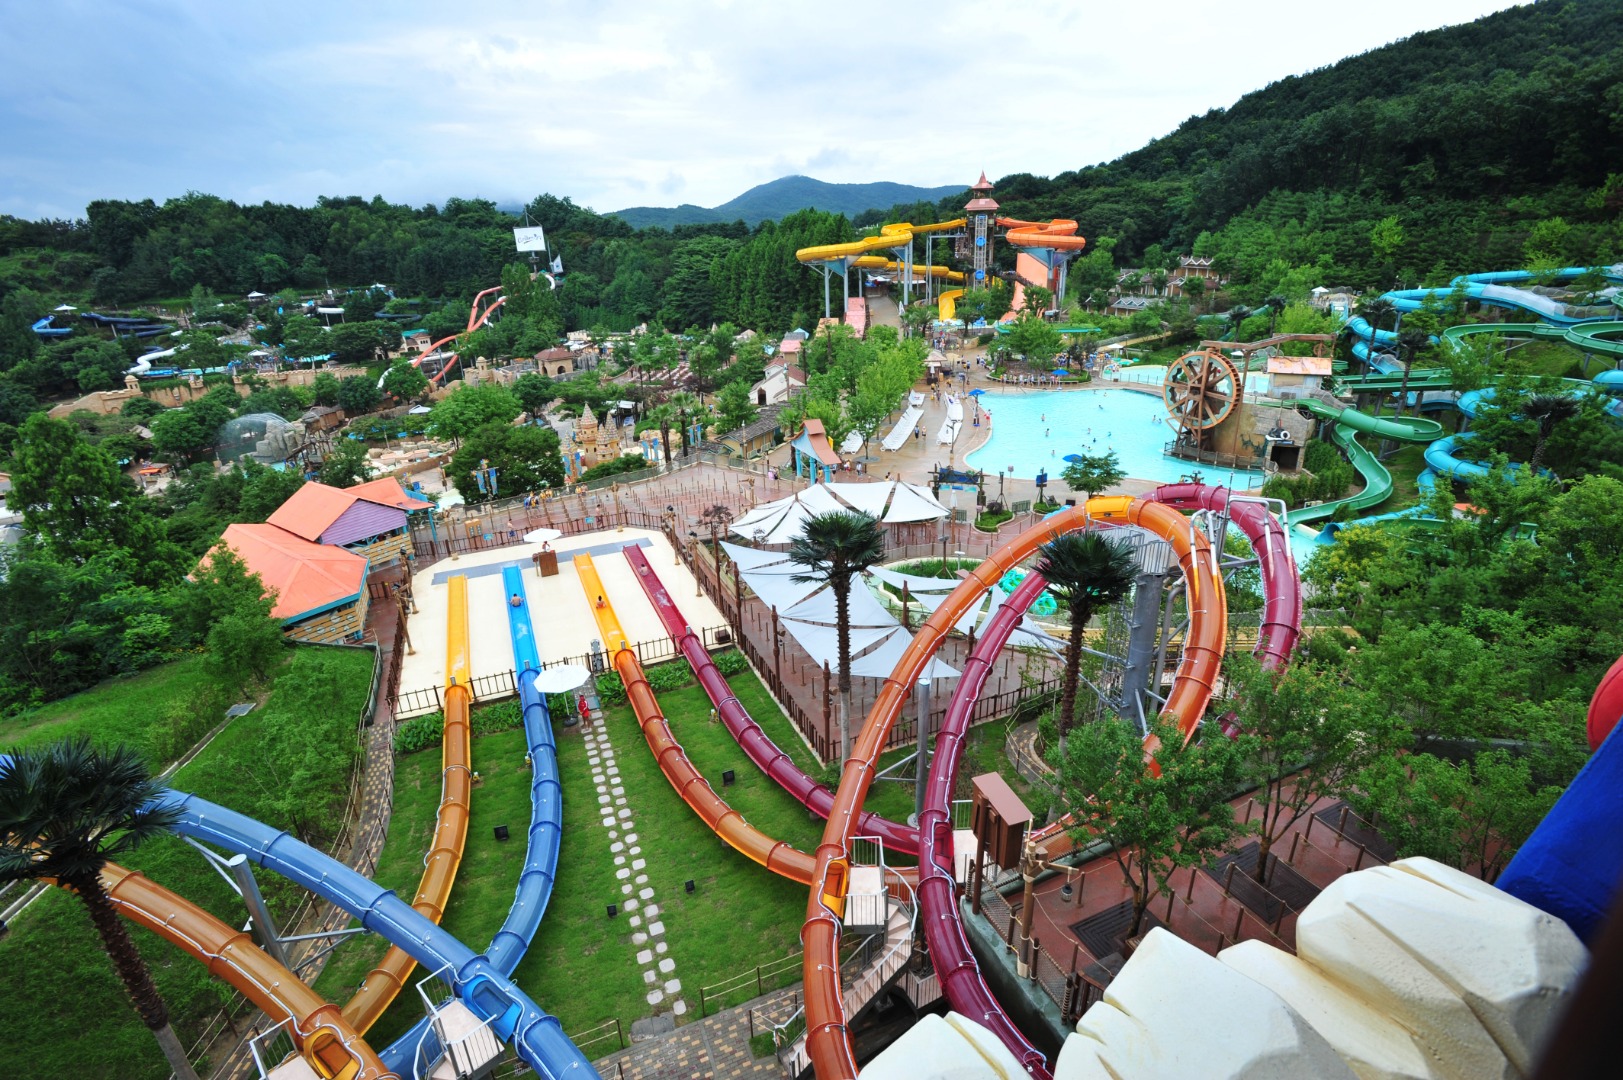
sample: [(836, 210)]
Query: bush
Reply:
[(242, 647), (500, 716), (419, 733), (561, 706), (623, 464), (672, 676), (610, 690), (732, 662)]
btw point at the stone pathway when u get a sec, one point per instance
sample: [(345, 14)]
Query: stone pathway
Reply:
[(639, 902), (715, 1048)]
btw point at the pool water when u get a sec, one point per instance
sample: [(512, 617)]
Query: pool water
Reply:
[(1033, 431)]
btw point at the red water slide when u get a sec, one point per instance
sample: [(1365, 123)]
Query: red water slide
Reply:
[(756, 743), (950, 954), (1281, 587), (827, 1041)]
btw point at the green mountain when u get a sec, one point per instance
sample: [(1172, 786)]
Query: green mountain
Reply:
[(771, 201)]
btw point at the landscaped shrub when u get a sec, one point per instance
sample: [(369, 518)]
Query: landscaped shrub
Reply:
[(610, 690), (732, 662), (497, 716), (672, 676), (419, 733)]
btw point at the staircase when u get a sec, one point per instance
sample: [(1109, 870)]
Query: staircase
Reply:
[(870, 971)]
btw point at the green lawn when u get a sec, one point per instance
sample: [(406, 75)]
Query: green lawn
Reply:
[(59, 985), (1405, 465), (121, 710), (582, 964)]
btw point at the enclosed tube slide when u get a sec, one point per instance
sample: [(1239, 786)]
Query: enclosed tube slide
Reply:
[(1281, 586), (744, 729), (895, 235), (724, 821), (332, 1047), (546, 792), (540, 869), (826, 1040), (537, 1036), (444, 856), (950, 954), (947, 304)]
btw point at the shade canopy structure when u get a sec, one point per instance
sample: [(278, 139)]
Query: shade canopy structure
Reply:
[(1074, 458), (890, 502), (542, 536), (561, 678), (808, 612)]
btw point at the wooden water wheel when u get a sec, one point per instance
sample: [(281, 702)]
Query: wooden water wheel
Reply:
[(1200, 391)]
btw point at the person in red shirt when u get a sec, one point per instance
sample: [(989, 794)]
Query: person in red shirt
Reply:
[(585, 711)]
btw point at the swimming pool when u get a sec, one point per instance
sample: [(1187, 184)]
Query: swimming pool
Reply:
[(1034, 431)]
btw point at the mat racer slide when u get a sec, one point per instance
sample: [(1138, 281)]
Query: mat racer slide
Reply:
[(727, 823), (540, 868)]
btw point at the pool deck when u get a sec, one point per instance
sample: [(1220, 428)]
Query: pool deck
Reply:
[(917, 459), (559, 608)]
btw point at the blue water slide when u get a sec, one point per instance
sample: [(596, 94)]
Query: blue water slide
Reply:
[(1498, 288), (1381, 359), (535, 881), (44, 328), (536, 1035)]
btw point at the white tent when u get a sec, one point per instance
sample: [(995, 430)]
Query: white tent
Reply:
[(889, 501), (879, 663)]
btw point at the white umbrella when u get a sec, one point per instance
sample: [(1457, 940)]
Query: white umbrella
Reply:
[(561, 678), (542, 536)]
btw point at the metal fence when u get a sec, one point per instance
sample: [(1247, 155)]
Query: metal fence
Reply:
[(503, 684)]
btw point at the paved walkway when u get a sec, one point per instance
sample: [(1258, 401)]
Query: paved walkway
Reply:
[(371, 826), (715, 1048)]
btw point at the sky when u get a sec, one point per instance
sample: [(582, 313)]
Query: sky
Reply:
[(618, 104)]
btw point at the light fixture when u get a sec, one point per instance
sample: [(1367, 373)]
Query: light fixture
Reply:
[(727, 778), (614, 909), (688, 886), (500, 831)]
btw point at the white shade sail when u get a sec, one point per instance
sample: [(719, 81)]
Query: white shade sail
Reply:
[(879, 663), (889, 501)]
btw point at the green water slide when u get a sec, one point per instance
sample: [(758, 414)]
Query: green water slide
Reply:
[(1349, 424), (1596, 337)]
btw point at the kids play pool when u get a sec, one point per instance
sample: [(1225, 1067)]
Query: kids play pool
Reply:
[(1034, 431)]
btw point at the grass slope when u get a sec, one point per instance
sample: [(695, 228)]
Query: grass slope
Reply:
[(59, 986)]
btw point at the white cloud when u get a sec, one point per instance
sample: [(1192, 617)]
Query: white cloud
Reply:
[(618, 102)]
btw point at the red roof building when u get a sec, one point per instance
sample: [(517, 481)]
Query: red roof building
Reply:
[(320, 589)]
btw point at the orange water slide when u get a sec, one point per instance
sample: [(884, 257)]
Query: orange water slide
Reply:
[(1059, 234), (476, 319), (321, 1034), (827, 1041), (727, 823), (386, 980)]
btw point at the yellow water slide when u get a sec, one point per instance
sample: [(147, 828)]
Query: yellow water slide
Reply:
[(444, 857), (896, 234)]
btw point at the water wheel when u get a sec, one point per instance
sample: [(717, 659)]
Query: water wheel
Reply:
[(1200, 391)]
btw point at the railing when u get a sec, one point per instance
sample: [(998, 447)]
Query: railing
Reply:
[(609, 1029), (772, 975), (503, 684)]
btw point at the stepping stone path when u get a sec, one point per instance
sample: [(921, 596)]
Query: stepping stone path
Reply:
[(637, 896)]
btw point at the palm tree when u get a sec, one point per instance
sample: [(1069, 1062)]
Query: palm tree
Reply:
[(1410, 342), (68, 809), (686, 405), (1548, 410), (1236, 316), (1275, 304), (1375, 313), (664, 416), (1088, 573), (834, 548)]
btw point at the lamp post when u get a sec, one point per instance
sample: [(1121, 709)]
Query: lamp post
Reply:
[(693, 560)]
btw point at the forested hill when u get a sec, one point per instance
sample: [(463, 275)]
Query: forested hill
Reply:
[(1469, 135), (772, 201)]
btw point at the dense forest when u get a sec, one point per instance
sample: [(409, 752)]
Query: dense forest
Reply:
[(1472, 147)]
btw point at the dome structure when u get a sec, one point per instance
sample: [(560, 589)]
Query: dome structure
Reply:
[(265, 437)]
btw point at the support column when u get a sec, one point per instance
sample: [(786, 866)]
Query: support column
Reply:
[(264, 929), (921, 760)]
